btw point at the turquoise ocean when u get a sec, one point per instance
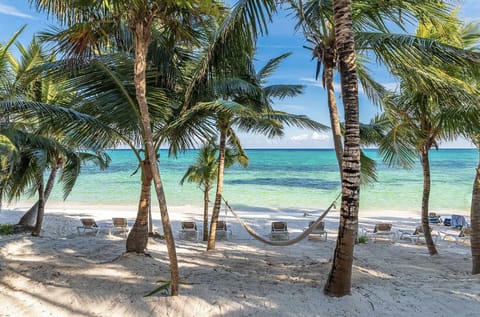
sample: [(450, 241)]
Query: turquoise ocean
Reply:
[(285, 179)]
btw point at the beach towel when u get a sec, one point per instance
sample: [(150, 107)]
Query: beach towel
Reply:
[(458, 221)]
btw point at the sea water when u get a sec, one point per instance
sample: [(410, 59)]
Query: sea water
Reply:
[(282, 179)]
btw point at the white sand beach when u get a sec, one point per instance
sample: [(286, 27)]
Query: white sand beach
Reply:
[(66, 274)]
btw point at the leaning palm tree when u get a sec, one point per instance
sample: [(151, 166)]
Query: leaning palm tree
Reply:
[(421, 116), (32, 155), (205, 171), (140, 17)]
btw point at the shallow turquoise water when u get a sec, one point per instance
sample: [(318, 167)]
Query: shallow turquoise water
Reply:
[(286, 179)]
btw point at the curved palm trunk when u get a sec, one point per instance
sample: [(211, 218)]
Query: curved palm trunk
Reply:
[(138, 237), (475, 222), (218, 194), (41, 207), (142, 35), (28, 219), (332, 107), (425, 200), (205, 212), (339, 280)]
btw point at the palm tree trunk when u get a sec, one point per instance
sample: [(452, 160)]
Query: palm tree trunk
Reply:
[(138, 237), (205, 212), (475, 223), (332, 106), (142, 30), (339, 280), (41, 207), (218, 194), (27, 221), (425, 200)]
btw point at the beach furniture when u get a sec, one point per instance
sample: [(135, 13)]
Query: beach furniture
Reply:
[(382, 231), (319, 231), (88, 224), (417, 234), (433, 218), (279, 231), (120, 225), (460, 236), (189, 231), (222, 231), (458, 221)]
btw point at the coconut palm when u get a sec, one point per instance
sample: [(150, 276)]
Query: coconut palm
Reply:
[(421, 116), (246, 105), (24, 81), (475, 217), (205, 171), (104, 17), (30, 157), (371, 34), (339, 278)]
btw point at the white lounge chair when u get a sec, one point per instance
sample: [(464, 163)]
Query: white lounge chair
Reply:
[(121, 225), (88, 224), (189, 231), (461, 236), (417, 234), (223, 231), (319, 231), (382, 231), (279, 230)]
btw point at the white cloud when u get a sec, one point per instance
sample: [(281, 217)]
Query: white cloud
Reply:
[(315, 136), (9, 10)]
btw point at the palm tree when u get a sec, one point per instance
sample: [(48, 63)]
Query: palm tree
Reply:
[(30, 157), (339, 279), (421, 115), (371, 34), (205, 171), (140, 17), (24, 81), (475, 217), (246, 105)]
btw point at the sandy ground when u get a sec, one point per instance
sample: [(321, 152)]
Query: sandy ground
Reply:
[(66, 274)]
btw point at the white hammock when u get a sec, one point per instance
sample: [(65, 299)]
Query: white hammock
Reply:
[(299, 238)]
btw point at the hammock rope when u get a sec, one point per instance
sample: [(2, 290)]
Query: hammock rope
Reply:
[(299, 238)]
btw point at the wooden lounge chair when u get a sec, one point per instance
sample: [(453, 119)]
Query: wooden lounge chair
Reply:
[(319, 231), (121, 225), (88, 224), (279, 230), (189, 231), (222, 231), (383, 231), (462, 236)]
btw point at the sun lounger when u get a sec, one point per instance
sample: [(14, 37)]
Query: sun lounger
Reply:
[(417, 234), (279, 230), (222, 231), (189, 231), (382, 231), (433, 218), (120, 225), (460, 236), (88, 224), (319, 231)]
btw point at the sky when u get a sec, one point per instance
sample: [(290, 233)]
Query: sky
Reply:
[(299, 68)]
